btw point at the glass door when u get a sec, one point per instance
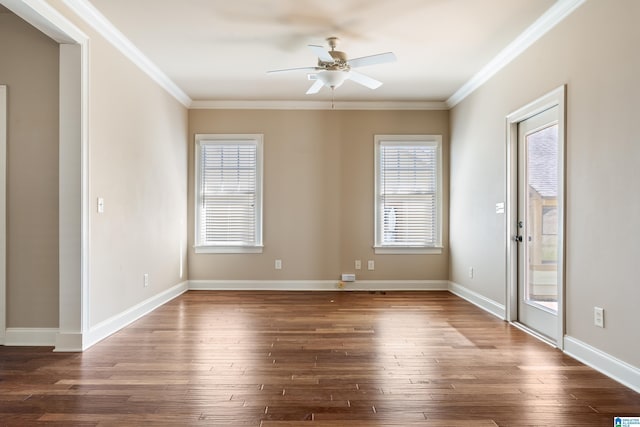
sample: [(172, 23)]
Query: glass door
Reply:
[(539, 227)]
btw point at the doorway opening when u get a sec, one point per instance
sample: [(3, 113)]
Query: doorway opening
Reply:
[(3, 210)]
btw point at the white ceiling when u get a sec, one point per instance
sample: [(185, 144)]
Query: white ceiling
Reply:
[(221, 49)]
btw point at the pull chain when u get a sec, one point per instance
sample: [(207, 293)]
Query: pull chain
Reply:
[(333, 106)]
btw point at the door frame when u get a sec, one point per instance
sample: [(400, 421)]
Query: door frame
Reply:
[(74, 203), (3, 212), (556, 97)]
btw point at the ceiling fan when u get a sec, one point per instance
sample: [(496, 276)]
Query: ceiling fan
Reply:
[(334, 67)]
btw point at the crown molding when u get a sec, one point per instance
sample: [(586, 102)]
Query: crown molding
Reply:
[(552, 17), (317, 105), (45, 18), (106, 29)]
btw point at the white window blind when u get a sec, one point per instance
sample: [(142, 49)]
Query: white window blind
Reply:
[(229, 193), (407, 191)]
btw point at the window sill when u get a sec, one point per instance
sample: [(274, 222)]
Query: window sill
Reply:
[(406, 250), (228, 249)]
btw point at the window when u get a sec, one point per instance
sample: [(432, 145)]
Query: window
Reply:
[(408, 194), (228, 193)]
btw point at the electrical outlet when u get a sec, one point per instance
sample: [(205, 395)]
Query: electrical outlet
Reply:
[(278, 264), (358, 264), (371, 265), (145, 280), (470, 272), (598, 317)]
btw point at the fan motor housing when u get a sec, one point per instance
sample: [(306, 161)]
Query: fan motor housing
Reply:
[(339, 61), (338, 55)]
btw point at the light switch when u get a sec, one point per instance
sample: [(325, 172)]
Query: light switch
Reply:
[(100, 205), (500, 208)]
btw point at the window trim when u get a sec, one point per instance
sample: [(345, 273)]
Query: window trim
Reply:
[(431, 140), (254, 139)]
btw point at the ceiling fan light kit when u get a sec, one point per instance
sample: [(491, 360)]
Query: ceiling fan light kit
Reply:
[(333, 78), (334, 67)]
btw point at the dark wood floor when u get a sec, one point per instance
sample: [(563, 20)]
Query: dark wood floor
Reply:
[(280, 359)]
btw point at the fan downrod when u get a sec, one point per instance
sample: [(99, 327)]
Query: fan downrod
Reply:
[(340, 58)]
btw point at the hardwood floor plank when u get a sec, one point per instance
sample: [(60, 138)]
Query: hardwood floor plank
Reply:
[(323, 359)]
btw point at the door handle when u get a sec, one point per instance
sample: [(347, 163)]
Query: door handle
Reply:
[(517, 239)]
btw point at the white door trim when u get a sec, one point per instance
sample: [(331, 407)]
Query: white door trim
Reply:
[(553, 98), (3, 213), (74, 164)]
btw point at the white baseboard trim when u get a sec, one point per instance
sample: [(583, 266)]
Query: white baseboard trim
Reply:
[(476, 299), (317, 285), (397, 285), (68, 342), (107, 327), (263, 285), (616, 369), (30, 336)]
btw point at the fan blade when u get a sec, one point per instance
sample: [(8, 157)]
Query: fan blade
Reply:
[(322, 53), (380, 58), (295, 69), (364, 80), (315, 87)]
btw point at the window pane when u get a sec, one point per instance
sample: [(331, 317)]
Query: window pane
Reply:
[(542, 217), (407, 194), (228, 193)]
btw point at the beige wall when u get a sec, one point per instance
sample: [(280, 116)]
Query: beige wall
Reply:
[(138, 157), (357, 183), (29, 68), (318, 194), (594, 52)]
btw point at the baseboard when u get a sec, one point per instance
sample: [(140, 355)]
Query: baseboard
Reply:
[(263, 285), (30, 336), (317, 285), (481, 301), (69, 342), (107, 327), (396, 285), (616, 369)]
